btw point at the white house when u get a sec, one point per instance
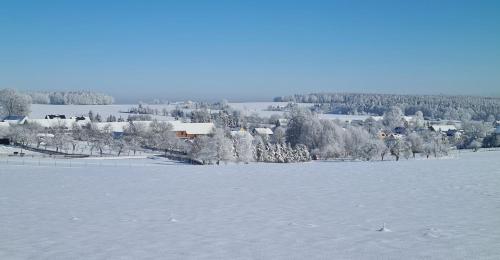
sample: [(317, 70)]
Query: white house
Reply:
[(182, 130)]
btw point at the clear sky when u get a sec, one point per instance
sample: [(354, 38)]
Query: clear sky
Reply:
[(250, 50)]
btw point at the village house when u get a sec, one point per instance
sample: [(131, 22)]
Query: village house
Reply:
[(442, 128), (282, 122), (191, 130), (263, 131)]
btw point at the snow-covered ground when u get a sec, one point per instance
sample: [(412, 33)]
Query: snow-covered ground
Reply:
[(432, 209), (40, 111), (260, 108)]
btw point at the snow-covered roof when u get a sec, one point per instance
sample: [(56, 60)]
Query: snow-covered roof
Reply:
[(68, 122), (443, 128), (263, 131), (193, 128), (4, 124), (15, 119), (12, 117)]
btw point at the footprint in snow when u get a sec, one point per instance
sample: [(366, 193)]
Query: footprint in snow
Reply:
[(432, 232), (384, 229)]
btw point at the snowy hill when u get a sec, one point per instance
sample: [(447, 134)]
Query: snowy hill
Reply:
[(412, 209)]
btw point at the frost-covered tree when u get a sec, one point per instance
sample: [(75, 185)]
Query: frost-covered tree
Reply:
[(24, 135), (14, 103), (355, 139), (59, 138), (162, 137), (435, 144), (475, 132), (200, 116), (331, 141), (243, 147), (416, 143), (475, 145), (393, 118), (135, 136), (398, 147), (119, 145), (301, 122), (372, 149), (71, 98), (204, 149), (223, 146), (279, 135), (419, 119), (432, 106), (102, 138)]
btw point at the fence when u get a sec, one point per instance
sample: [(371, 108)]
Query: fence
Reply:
[(60, 161)]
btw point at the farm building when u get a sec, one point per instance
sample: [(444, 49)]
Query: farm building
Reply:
[(442, 128), (182, 130), (191, 130)]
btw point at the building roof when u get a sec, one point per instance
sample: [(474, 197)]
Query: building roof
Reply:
[(263, 131), (443, 128), (14, 118), (193, 128), (497, 130)]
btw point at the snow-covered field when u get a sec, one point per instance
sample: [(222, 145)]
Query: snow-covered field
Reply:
[(433, 209), (39, 111)]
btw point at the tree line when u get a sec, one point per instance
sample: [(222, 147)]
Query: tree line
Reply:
[(432, 106), (71, 98)]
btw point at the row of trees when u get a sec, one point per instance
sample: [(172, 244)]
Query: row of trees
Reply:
[(432, 106), (221, 146), (71, 98), (329, 139), (13, 102), (243, 147)]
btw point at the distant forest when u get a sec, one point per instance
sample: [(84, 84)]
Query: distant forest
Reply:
[(71, 98), (432, 106)]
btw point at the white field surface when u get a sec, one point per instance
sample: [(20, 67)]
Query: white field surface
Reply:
[(154, 209), (39, 111), (260, 108)]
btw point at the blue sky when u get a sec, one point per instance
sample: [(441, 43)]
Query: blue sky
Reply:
[(250, 50)]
